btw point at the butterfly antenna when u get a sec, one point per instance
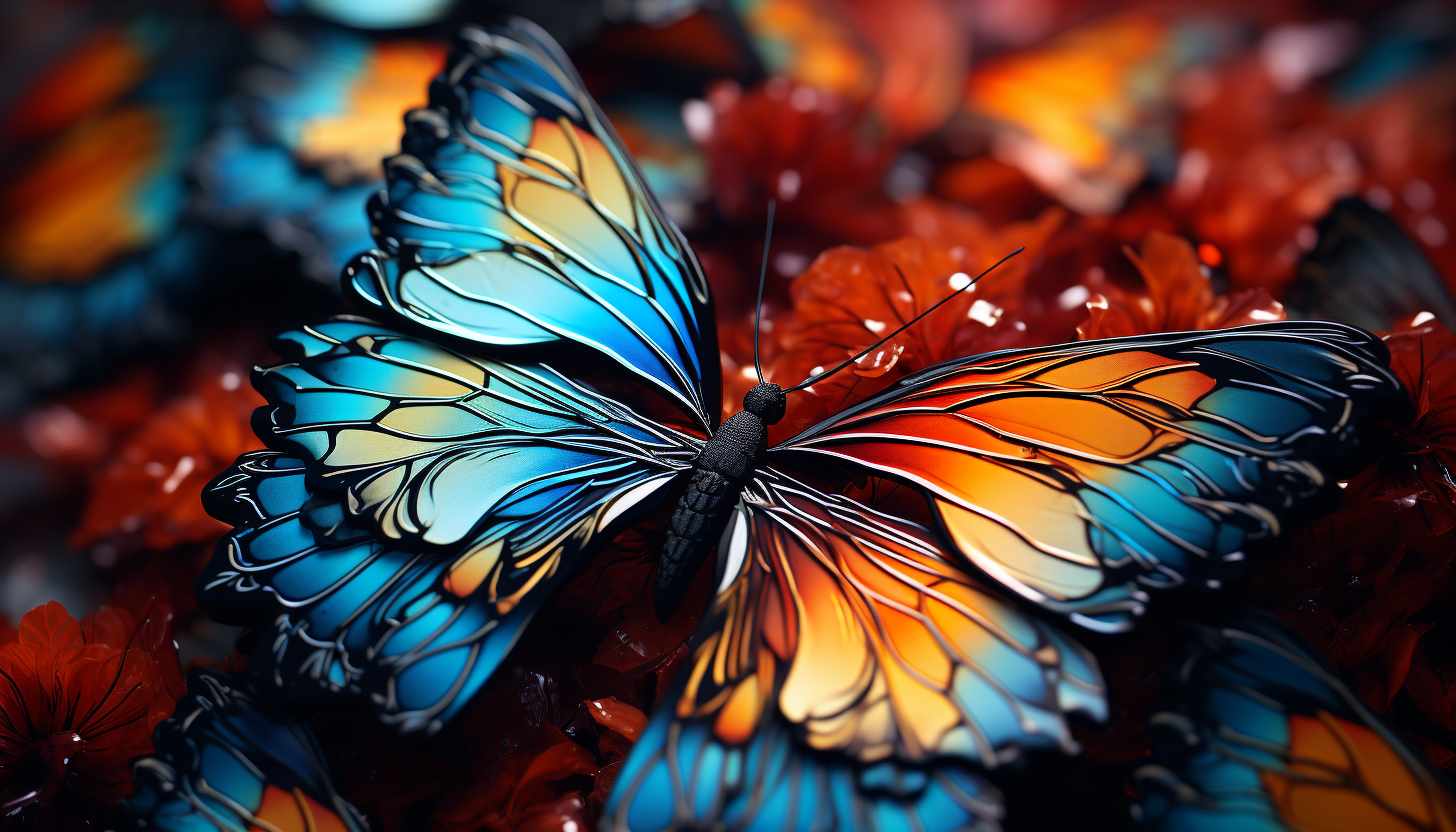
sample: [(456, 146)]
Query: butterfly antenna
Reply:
[(762, 274), (872, 347)]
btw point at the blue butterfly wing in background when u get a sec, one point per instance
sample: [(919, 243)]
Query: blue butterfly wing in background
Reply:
[(515, 217), (416, 507), (229, 761), (773, 783), (298, 151), (1260, 735)]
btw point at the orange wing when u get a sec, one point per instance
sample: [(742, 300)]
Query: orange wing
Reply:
[(1080, 475), (856, 629)]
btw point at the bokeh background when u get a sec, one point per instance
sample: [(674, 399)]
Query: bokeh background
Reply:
[(182, 179)]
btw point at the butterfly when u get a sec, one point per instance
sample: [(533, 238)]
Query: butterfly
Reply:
[(1087, 114), (1262, 735), (116, 117), (230, 761), (548, 374)]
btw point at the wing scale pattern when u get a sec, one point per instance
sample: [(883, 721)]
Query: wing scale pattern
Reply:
[(1081, 475), (515, 216), (418, 506)]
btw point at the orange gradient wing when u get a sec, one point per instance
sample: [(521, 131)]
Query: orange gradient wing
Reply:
[(839, 629), (859, 630), (1081, 475)]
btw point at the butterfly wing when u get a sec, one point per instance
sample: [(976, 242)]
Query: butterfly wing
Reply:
[(1081, 475), (98, 257), (1366, 270), (515, 216), (846, 652), (227, 760), (416, 506), (1261, 735)]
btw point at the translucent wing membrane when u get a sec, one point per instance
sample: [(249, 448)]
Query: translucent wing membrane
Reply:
[(228, 761), (852, 632), (515, 216), (417, 508), (1081, 475), (1260, 736)]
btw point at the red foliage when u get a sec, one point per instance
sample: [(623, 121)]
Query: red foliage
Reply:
[(79, 430), (80, 700), (618, 716), (520, 758), (615, 592), (923, 52), (1177, 297)]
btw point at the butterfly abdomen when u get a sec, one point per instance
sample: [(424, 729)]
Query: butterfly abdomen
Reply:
[(719, 474)]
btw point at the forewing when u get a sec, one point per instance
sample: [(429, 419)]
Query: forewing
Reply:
[(417, 507), (845, 647), (1080, 475), (228, 760), (516, 216), (1259, 734)]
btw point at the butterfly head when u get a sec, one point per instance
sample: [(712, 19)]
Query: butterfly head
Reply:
[(767, 401)]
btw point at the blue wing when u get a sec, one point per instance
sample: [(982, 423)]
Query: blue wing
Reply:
[(1261, 736), (686, 778), (515, 216), (228, 761), (1084, 474), (303, 135), (415, 509)]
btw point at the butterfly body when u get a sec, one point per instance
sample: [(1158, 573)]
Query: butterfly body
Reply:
[(726, 463)]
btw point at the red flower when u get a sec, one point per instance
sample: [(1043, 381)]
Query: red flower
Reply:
[(79, 699), (1365, 584), (1423, 356), (150, 491), (852, 297), (923, 49), (1177, 297), (518, 760), (809, 149), (1260, 164)]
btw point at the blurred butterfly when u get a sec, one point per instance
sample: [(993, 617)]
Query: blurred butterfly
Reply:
[(300, 141), (429, 482), (97, 257), (1263, 736), (228, 761), (1089, 114)]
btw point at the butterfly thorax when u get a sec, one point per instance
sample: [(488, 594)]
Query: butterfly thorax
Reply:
[(719, 474)]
